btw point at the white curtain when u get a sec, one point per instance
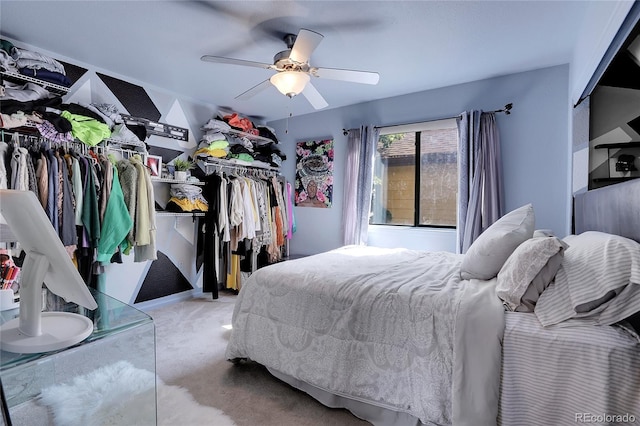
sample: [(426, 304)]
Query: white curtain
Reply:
[(358, 184), (480, 186)]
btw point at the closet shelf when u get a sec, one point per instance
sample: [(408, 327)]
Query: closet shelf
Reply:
[(175, 214), (248, 135), (169, 180), (30, 128), (152, 127), (19, 78), (122, 142)]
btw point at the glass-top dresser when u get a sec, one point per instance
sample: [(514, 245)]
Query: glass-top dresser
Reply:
[(120, 333)]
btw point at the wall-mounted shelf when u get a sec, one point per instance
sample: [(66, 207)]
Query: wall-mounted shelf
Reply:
[(19, 78), (614, 179), (123, 142), (249, 136), (169, 180), (176, 214), (618, 145)]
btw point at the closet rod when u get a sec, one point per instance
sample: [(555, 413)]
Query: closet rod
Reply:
[(123, 151), (507, 110), (239, 167)]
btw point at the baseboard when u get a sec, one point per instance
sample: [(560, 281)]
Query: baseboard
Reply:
[(167, 300)]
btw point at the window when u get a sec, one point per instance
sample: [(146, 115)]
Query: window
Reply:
[(415, 175)]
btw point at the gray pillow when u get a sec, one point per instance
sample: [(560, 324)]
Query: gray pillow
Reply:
[(491, 249), (528, 271)]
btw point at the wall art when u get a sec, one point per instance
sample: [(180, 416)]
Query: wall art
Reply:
[(314, 174)]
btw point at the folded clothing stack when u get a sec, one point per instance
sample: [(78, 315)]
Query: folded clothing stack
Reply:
[(212, 144), (186, 198), (32, 64)]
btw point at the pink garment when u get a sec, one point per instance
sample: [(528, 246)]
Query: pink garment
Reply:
[(292, 225)]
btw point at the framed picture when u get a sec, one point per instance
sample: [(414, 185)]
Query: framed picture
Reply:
[(314, 174), (154, 163)]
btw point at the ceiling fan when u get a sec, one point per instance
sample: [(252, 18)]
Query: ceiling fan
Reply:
[(294, 72)]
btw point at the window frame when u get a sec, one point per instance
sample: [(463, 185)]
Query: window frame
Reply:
[(417, 129)]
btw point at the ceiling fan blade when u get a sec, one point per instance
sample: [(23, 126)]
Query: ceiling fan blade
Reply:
[(221, 60), (365, 77), (306, 42), (254, 90), (314, 97)]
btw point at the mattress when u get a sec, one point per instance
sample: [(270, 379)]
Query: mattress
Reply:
[(564, 375)]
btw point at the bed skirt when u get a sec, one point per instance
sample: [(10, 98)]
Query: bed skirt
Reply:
[(376, 415)]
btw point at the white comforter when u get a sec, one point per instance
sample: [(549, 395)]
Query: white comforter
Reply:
[(392, 327)]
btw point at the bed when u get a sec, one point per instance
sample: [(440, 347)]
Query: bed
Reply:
[(404, 337)]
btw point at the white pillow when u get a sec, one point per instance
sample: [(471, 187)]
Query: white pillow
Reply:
[(543, 233), (491, 249), (528, 271)]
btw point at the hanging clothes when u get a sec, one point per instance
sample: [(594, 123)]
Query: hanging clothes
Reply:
[(128, 177), (209, 231), (4, 179), (19, 173), (67, 215), (78, 193), (42, 177), (145, 234), (249, 215), (90, 209), (116, 222), (99, 209)]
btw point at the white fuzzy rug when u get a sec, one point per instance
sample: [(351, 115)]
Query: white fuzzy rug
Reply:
[(120, 394)]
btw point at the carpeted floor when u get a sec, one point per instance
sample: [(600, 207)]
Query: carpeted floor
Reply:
[(191, 338)]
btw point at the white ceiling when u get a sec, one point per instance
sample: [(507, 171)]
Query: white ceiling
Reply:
[(414, 45)]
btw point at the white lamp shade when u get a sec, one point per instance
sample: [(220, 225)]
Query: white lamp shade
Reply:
[(290, 83)]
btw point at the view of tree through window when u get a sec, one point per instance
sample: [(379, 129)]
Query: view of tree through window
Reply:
[(399, 179)]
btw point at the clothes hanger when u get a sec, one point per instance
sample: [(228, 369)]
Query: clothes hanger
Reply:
[(15, 140)]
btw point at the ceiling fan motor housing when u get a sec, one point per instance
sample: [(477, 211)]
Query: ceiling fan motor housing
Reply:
[(283, 63)]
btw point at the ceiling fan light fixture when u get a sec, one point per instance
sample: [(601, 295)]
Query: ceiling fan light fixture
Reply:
[(290, 83)]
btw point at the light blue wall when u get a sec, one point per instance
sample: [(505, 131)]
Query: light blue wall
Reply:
[(534, 139)]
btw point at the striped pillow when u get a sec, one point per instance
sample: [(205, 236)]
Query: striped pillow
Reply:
[(598, 281)]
